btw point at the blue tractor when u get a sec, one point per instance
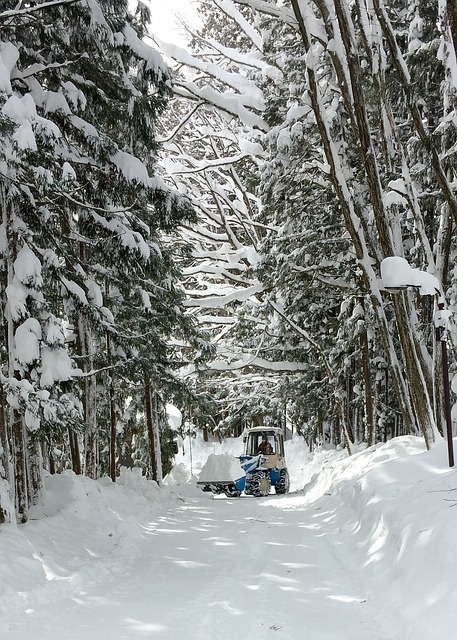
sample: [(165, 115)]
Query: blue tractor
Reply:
[(263, 464)]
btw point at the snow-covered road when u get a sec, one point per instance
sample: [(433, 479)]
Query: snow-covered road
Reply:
[(224, 569), (364, 551)]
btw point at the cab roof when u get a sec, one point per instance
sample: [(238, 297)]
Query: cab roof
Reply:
[(274, 430)]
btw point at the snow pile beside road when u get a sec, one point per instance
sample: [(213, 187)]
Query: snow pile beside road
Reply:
[(83, 532), (221, 468), (392, 506)]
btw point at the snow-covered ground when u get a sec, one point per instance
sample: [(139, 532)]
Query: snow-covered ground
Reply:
[(363, 548)]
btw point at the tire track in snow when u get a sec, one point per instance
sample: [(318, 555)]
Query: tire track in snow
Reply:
[(226, 569)]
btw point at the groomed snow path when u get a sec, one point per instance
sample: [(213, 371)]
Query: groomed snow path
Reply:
[(225, 569)]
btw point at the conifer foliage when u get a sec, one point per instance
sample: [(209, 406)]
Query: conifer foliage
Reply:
[(86, 282), (355, 112)]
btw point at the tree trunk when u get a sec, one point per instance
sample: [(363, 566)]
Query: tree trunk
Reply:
[(150, 429), (5, 499), (113, 431), (34, 475), (17, 423), (157, 447), (368, 389), (90, 399), (20, 465), (417, 407), (451, 8), (74, 451)]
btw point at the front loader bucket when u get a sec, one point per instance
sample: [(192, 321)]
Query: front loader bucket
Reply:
[(231, 488)]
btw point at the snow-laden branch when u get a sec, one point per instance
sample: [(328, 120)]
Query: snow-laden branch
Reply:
[(35, 69), (229, 9), (229, 103), (208, 302), (247, 360), (248, 59), (175, 168), (13, 13), (250, 91), (284, 14)]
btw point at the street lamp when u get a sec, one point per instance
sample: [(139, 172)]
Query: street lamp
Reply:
[(398, 275)]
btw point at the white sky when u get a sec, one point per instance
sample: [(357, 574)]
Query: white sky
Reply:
[(166, 17)]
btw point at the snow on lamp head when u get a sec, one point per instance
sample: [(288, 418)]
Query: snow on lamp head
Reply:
[(398, 275)]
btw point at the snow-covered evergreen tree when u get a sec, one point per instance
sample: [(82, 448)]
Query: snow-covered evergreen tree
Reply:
[(380, 153), (83, 216)]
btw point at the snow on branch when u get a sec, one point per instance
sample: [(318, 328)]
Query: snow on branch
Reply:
[(152, 57), (13, 13), (249, 91), (228, 7), (175, 168), (282, 13), (221, 301), (246, 59), (181, 124), (247, 360), (229, 103)]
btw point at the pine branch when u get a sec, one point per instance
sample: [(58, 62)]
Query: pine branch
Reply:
[(16, 13)]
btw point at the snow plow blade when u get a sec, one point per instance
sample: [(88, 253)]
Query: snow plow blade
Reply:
[(231, 488)]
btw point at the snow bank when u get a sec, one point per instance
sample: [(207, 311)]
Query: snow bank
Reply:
[(84, 531)]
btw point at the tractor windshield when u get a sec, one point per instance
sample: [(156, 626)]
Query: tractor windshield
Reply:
[(260, 442)]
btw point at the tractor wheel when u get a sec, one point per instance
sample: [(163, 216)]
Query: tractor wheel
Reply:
[(283, 484), (260, 484)]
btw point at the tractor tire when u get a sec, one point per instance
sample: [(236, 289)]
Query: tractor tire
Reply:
[(260, 484), (283, 484)]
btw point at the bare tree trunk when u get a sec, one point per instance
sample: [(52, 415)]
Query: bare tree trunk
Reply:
[(113, 431), (74, 452), (5, 499), (150, 429), (368, 389), (34, 476), (20, 465), (90, 399), (157, 447)]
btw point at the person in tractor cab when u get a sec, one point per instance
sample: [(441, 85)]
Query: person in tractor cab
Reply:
[(265, 447)]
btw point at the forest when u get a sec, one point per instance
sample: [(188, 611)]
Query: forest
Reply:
[(204, 227)]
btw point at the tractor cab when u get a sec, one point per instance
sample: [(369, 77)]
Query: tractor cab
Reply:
[(269, 442), (263, 465)]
